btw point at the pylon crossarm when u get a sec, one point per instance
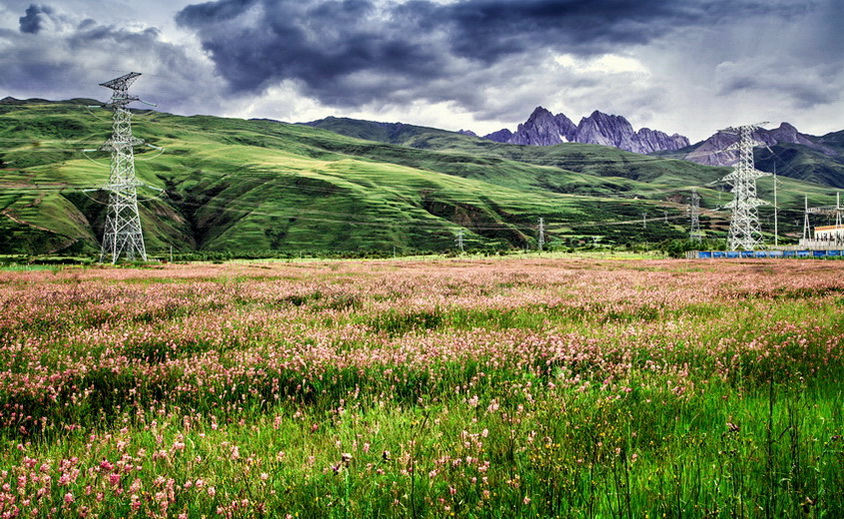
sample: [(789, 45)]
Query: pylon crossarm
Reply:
[(123, 82)]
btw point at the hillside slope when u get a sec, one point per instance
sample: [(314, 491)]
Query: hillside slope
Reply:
[(253, 186), (812, 161)]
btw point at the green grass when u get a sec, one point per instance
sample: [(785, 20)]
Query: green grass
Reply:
[(535, 388), (241, 186)]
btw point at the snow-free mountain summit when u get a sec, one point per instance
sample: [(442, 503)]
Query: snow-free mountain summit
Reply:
[(543, 128)]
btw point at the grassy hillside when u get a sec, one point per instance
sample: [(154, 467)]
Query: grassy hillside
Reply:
[(603, 171), (800, 162), (389, 133), (793, 160), (833, 140), (257, 186)]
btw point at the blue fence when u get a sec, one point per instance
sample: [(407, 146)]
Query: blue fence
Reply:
[(717, 254)]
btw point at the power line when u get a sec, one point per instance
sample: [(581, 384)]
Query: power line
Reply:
[(381, 221)]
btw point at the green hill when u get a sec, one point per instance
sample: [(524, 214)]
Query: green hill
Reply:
[(231, 185), (833, 140), (388, 133), (802, 163)]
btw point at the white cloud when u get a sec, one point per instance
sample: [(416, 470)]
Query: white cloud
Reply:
[(606, 64)]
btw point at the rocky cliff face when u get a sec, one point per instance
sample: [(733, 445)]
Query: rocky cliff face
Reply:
[(710, 152), (546, 129)]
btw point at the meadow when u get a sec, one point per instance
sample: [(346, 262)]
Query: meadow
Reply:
[(472, 388)]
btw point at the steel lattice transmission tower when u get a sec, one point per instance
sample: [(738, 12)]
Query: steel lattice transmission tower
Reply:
[(694, 212), (745, 231), (122, 236)]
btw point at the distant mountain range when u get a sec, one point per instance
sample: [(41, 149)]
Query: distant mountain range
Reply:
[(790, 153), (797, 155), (249, 187), (546, 129), (786, 152)]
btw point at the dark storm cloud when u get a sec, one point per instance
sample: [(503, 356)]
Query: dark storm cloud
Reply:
[(56, 55), (805, 87), (353, 52), (489, 29), (257, 43), (801, 66), (33, 20)]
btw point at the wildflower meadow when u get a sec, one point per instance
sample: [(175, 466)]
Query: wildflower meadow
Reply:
[(473, 388)]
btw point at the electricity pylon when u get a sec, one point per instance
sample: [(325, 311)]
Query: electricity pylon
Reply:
[(460, 244), (123, 235), (745, 231), (694, 212)]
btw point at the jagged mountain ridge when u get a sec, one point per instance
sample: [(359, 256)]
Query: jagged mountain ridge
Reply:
[(800, 156), (543, 128), (711, 151)]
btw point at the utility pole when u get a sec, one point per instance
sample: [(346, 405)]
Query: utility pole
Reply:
[(123, 235), (541, 241), (745, 232), (460, 240), (694, 212), (806, 231), (776, 211)]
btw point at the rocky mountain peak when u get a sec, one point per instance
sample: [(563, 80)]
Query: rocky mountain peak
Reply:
[(543, 128), (539, 112)]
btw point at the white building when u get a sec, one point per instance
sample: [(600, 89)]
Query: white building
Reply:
[(826, 237)]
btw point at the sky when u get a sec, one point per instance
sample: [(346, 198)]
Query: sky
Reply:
[(681, 66)]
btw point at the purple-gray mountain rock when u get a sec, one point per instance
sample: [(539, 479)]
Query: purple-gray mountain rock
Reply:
[(546, 129), (655, 140), (710, 152), (606, 130), (502, 136)]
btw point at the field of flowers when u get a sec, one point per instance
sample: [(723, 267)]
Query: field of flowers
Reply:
[(399, 389)]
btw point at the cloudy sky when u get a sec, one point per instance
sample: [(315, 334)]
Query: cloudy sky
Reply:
[(685, 66)]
